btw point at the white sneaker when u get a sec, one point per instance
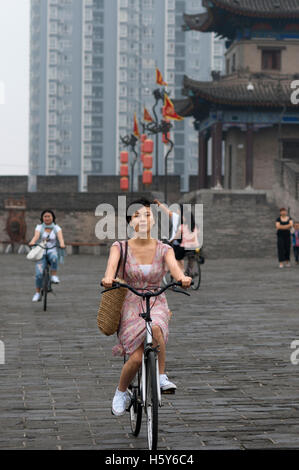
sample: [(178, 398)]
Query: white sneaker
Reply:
[(37, 297), (119, 403), (165, 384), (55, 279)]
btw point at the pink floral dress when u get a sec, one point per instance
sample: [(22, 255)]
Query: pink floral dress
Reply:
[(131, 331)]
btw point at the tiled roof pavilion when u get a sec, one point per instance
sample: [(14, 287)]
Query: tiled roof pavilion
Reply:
[(219, 11), (270, 8), (233, 91)]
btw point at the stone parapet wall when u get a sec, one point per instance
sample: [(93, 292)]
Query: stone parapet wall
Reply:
[(237, 223)]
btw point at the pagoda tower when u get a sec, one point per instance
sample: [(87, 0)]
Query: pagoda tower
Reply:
[(250, 114)]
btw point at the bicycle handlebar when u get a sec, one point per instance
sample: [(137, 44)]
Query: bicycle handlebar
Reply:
[(45, 247), (117, 285)]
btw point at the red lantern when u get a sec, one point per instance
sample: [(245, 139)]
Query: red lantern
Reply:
[(147, 161), (147, 146), (124, 170), (124, 157), (147, 177), (143, 137), (124, 184)]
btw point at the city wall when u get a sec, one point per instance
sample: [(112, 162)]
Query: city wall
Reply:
[(237, 223)]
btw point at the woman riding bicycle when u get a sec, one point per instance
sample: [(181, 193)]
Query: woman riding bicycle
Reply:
[(50, 231), (148, 260), (184, 235)]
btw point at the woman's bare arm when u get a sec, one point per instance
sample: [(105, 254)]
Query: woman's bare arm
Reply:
[(61, 239), (175, 270), (164, 208), (35, 238), (111, 266)]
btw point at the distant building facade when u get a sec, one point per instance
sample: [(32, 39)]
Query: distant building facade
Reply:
[(93, 65), (249, 108)]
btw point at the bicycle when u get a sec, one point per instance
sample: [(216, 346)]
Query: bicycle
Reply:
[(46, 283), (192, 261), (144, 391)]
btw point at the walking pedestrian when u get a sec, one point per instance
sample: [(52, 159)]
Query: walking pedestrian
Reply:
[(284, 223)]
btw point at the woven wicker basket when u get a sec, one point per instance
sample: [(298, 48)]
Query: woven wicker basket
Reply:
[(110, 310)]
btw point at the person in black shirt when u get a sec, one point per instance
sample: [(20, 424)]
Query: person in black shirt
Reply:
[(284, 223)]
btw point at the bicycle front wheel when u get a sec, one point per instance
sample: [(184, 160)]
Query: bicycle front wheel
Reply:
[(135, 407), (152, 405)]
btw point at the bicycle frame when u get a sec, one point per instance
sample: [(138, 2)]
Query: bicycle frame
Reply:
[(150, 394), (148, 346)]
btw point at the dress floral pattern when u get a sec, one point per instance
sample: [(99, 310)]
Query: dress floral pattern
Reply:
[(131, 331)]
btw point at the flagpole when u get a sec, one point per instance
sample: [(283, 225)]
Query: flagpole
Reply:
[(157, 98)]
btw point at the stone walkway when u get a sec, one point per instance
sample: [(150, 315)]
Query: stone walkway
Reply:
[(228, 352)]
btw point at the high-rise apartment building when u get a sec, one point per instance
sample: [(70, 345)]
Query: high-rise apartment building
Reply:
[(72, 87), (93, 65)]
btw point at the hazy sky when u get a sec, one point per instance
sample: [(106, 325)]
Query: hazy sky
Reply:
[(14, 75)]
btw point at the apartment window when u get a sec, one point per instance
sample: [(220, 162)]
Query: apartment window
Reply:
[(123, 60), (87, 149), (52, 119), (148, 3), (123, 76), (171, 33), (123, 16), (88, 14), (123, 91), (170, 47), (123, 106), (147, 19), (97, 167), (171, 18), (123, 31), (53, 58), (271, 59)]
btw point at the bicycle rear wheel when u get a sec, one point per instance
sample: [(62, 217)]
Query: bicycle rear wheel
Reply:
[(192, 269), (196, 275), (136, 406), (45, 287), (152, 404)]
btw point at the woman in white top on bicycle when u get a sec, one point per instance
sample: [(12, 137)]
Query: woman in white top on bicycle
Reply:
[(49, 230)]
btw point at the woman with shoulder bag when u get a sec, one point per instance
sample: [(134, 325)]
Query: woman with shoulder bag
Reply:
[(50, 232), (147, 262)]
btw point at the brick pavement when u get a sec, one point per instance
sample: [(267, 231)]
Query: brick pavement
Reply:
[(228, 352)]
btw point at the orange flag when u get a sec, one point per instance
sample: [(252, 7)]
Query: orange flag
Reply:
[(159, 78), (169, 111), (146, 116), (136, 128)]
